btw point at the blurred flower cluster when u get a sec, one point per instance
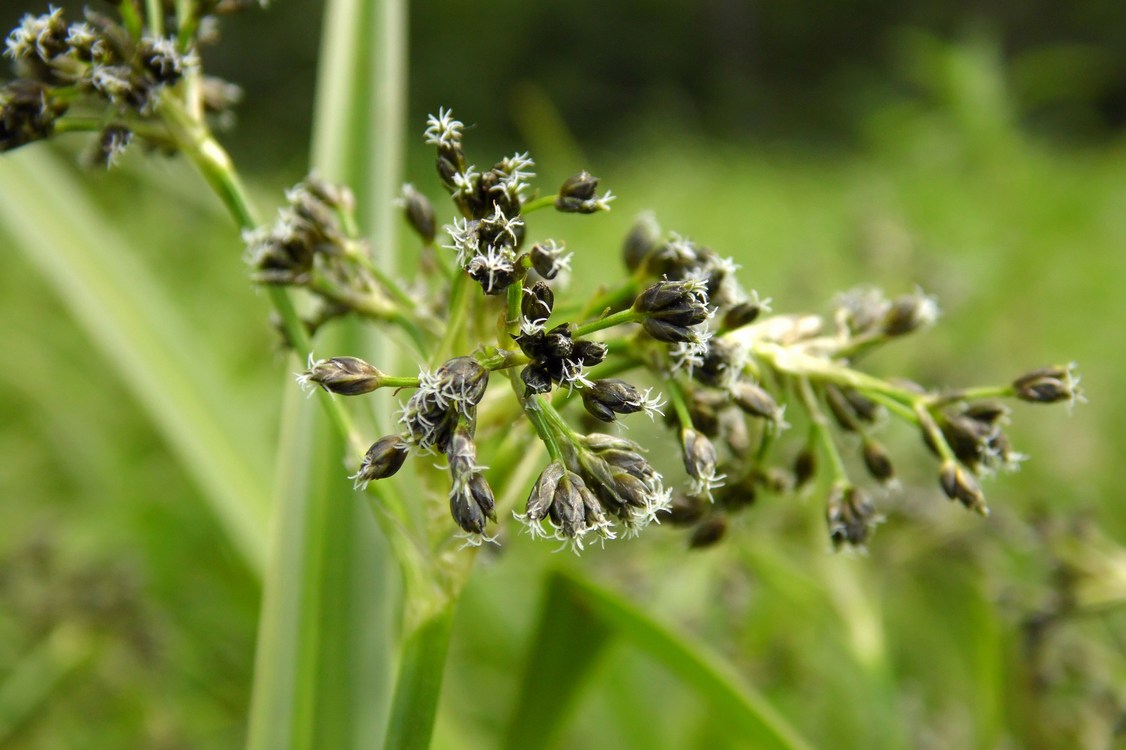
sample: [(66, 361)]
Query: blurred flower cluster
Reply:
[(106, 76)]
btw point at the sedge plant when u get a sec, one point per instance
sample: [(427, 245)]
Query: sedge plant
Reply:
[(481, 349)]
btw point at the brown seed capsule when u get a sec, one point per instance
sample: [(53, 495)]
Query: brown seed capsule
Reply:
[(741, 315), (805, 467), (578, 194), (605, 399), (685, 510), (464, 379), (850, 515), (419, 213), (347, 376), (382, 460), (908, 313), (1048, 385), (543, 492), (959, 484), (878, 462), (548, 259), (537, 303), (642, 239), (755, 400), (710, 532), (699, 457)]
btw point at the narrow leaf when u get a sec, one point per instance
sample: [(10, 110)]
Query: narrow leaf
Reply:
[(747, 713), (96, 274), (322, 675), (565, 648)]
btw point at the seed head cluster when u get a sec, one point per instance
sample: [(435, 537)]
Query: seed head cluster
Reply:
[(697, 348)]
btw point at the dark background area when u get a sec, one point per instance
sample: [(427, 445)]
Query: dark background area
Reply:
[(727, 69)]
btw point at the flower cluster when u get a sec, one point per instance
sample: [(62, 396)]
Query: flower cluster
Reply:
[(730, 374), (102, 75)]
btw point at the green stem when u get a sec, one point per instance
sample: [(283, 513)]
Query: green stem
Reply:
[(537, 203), (544, 430), (154, 11), (820, 427), (130, 18), (934, 432), (459, 311), (973, 394), (389, 285), (512, 317), (793, 361), (679, 404), (419, 683), (614, 319)]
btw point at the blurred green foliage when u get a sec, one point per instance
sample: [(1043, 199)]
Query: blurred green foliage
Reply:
[(127, 619)]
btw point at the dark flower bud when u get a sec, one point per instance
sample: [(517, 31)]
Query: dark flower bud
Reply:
[(593, 515), (805, 467), (462, 454), (466, 512), (719, 363), (161, 60), (710, 532), (851, 516), (39, 38), (347, 376), (685, 510), (741, 314), (464, 380), (578, 194), (536, 379), (841, 409), (567, 513), (607, 398), (27, 113), (558, 344), (112, 142), (600, 442), (742, 494), (600, 475), (548, 259), (537, 303), (699, 461), (531, 343), (908, 313), (755, 400), (419, 213), (959, 484), (1048, 385), (543, 492), (643, 239), (677, 304), (328, 194), (482, 494), (219, 96), (493, 272), (382, 460), (589, 353), (862, 407), (448, 168), (967, 437), (878, 462), (668, 333), (990, 413)]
